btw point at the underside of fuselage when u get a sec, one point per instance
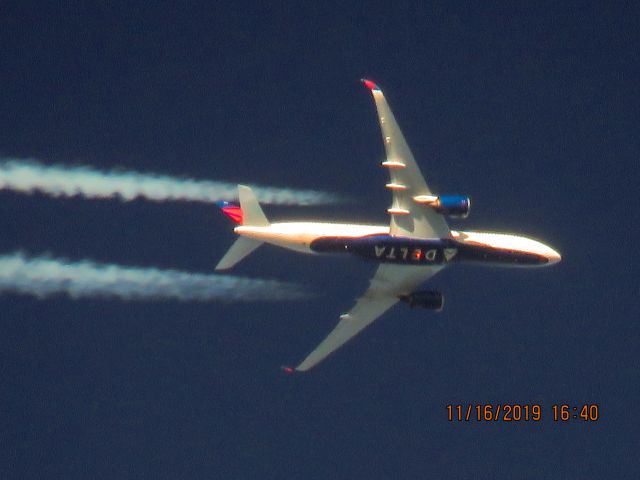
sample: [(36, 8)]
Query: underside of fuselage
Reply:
[(374, 243)]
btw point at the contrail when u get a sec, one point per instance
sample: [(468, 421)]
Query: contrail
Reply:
[(44, 276), (28, 176)]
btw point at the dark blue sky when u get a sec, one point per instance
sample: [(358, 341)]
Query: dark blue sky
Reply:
[(531, 111)]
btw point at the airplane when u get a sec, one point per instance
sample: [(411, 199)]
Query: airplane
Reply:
[(416, 245)]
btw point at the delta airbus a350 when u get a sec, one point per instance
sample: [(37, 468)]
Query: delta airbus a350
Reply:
[(416, 245)]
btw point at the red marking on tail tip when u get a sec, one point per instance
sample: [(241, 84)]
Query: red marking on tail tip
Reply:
[(231, 210), (369, 84), (234, 213), (288, 370)]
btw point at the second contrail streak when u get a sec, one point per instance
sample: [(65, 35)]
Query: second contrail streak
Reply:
[(45, 276)]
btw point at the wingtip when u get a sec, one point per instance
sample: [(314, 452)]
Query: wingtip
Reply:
[(288, 370), (370, 84)]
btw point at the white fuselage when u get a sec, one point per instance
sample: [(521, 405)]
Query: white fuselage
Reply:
[(299, 236)]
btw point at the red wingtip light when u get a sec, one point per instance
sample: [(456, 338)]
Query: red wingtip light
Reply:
[(288, 370), (369, 84)]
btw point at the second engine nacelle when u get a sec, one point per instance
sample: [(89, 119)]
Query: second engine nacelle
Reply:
[(429, 299), (456, 206)]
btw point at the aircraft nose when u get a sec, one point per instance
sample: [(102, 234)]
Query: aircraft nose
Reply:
[(554, 257)]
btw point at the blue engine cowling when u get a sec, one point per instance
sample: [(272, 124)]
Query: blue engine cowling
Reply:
[(456, 206), (429, 299)]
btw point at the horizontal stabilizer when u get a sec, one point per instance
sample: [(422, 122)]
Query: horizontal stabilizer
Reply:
[(251, 211), (240, 249)]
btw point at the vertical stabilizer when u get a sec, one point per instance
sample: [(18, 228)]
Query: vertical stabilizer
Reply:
[(251, 211), (240, 249)]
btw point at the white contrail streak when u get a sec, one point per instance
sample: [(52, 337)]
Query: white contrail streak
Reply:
[(28, 176), (45, 276)]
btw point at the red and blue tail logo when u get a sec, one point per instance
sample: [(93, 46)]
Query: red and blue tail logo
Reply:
[(231, 210)]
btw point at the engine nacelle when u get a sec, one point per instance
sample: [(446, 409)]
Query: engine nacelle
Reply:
[(456, 206), (429, 299)]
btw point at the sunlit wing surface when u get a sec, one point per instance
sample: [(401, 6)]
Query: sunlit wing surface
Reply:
[(387, 284), (408, 218)]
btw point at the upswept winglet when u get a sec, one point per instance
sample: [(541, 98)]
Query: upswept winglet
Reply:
[(370, 84)]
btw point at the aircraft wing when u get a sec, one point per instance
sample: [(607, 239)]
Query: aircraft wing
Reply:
[(408, 218), (387, 284)]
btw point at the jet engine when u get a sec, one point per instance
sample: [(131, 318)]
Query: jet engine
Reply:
[(428, 299), (456, 206)]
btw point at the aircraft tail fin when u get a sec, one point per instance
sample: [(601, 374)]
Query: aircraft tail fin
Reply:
[(252, 213), (248, 213), (242, 247)]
